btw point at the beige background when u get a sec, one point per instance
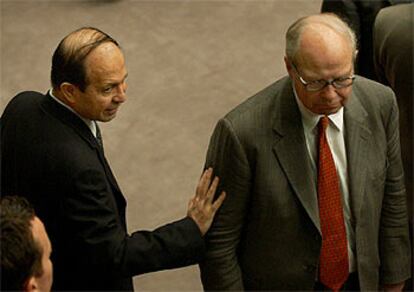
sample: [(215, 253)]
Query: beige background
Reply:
[(189, 63)]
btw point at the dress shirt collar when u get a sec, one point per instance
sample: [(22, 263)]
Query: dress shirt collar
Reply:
[(310, 119), (91, 124)]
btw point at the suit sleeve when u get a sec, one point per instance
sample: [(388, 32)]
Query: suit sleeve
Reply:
[(220, 270), (394, 241), (100, 233)]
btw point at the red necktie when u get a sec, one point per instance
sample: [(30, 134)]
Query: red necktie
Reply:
[(333, 266)]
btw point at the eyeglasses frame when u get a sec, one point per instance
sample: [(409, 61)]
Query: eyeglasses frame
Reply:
[(327, 82)]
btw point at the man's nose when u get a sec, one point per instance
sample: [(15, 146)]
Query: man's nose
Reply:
[(121, 93), (328, 92)]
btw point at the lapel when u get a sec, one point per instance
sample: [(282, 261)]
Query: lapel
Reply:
[(290, 149), (357, 137), (74, 122), (69, 119)]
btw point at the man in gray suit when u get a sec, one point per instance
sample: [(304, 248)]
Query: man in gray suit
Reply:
[(271, 232), (393, 35), (393, 61)]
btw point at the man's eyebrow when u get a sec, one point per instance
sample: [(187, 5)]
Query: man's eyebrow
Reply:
[(112, 82)]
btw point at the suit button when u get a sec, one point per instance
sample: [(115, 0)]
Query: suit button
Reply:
[(309, 268)]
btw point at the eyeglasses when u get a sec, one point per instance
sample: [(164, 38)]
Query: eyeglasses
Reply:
[(317, 85)]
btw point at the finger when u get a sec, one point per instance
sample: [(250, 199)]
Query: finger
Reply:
[(208, 169), (190, 204), (204, 182), (217, 203), (212, 190)]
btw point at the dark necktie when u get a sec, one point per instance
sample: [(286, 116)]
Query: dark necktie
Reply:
[(333, 266), (98, 136)]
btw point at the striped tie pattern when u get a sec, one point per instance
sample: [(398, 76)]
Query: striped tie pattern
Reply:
[(98, 136)]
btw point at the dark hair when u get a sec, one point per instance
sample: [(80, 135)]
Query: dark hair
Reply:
[(68, 61), (21, 255)]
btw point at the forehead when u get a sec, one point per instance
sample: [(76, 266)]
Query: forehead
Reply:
[(105, 62), (321, 48), (40, 235)]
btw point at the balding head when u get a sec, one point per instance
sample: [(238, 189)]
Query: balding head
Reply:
[(320, 54), (68, 62), (325, 29)]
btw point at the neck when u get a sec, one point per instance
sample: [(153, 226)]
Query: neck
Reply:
[(58, 94)]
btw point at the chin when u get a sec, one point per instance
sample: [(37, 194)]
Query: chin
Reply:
[(107, 118), (333, 111), (330, 110)]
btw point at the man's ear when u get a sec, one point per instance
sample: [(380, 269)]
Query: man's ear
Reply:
[(31, 285), (69, 92), (355, 56), (288, 66)]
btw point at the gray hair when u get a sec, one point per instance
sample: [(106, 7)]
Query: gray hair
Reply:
[(294, 32)]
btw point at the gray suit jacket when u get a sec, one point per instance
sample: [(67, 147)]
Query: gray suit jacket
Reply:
[(266, 236), (393, 60)]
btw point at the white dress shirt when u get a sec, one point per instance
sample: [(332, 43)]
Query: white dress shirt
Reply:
[(336, 139)]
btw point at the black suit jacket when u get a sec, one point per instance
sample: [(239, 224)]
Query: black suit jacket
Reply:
[(50, 156)]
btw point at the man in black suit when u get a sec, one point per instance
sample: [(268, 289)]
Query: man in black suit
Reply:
[(52, 154)]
